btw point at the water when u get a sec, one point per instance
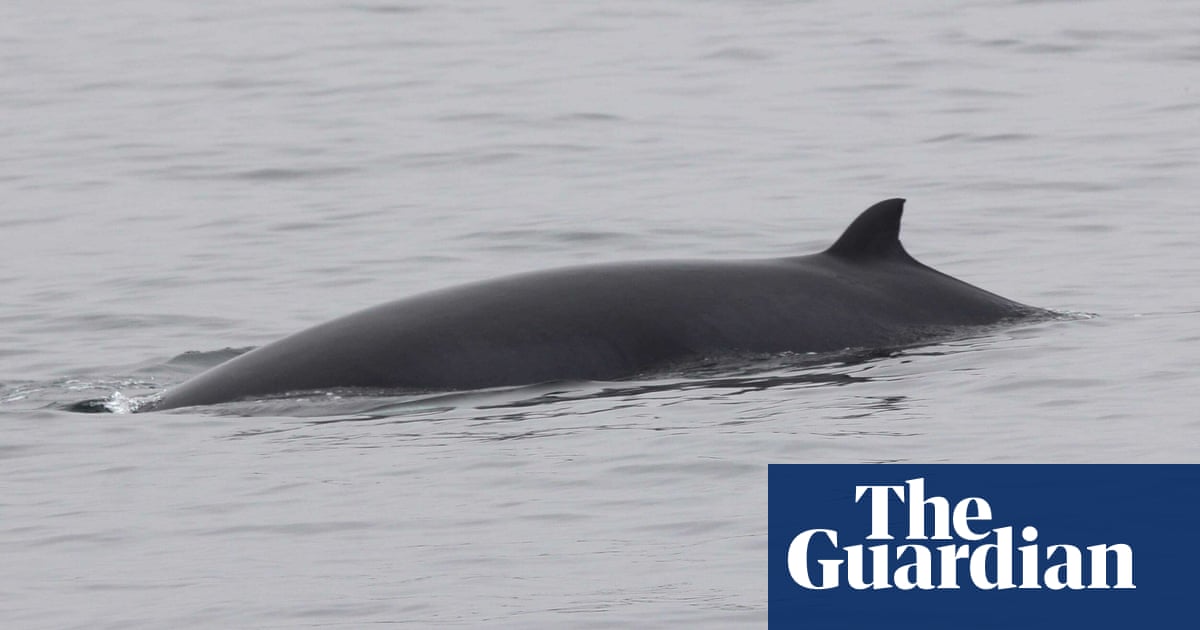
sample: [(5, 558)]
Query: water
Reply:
[(189, 177)]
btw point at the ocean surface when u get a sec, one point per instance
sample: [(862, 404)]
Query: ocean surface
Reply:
[(184, 180)]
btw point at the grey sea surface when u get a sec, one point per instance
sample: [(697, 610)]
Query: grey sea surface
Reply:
[(183, 180)]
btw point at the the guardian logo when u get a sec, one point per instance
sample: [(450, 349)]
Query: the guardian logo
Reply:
[(982, 546), (948, 545)]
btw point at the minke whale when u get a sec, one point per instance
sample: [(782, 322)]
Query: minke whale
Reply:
[(610, 321)]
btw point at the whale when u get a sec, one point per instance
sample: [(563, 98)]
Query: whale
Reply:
[(613, 321)]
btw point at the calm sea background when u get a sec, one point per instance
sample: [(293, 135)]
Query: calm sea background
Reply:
[(185, 178)]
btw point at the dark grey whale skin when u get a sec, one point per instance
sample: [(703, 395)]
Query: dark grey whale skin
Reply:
[(602, 322)]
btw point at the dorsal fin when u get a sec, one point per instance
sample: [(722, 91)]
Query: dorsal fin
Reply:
[(874, 234)]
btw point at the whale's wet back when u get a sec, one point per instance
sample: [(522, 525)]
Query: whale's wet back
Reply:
[(616, 320)]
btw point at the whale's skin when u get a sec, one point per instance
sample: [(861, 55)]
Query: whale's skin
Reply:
[(609, 321)]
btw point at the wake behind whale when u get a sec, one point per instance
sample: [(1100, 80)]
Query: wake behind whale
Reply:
[(612, 321)]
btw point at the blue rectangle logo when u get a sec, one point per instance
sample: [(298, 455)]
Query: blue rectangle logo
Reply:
[(982, 546)]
